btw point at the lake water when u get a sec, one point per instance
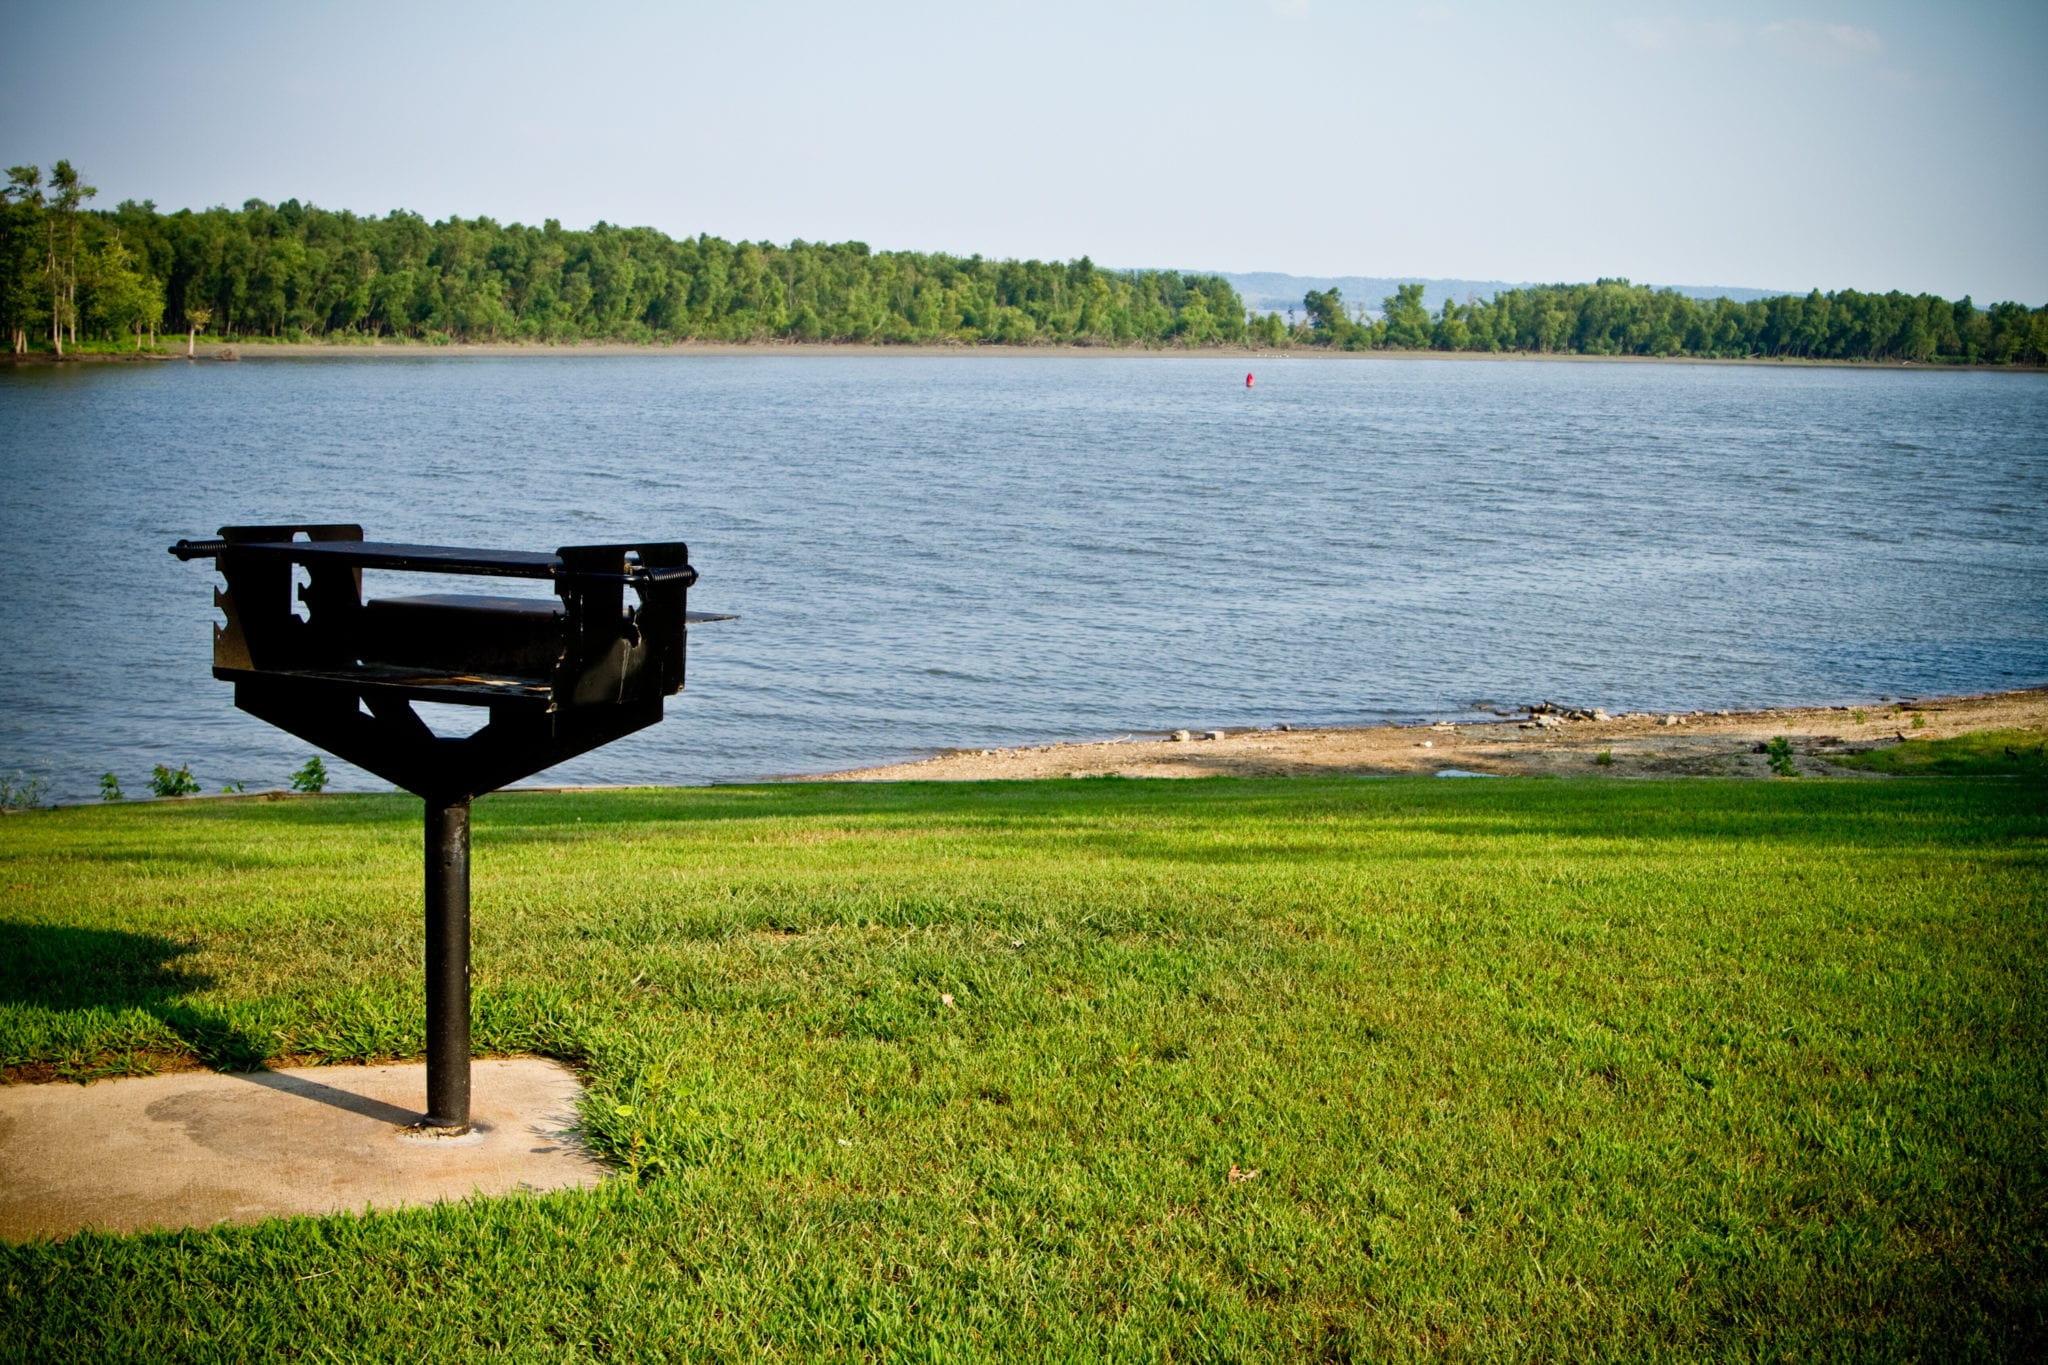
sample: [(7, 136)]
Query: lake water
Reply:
[(975, 551)]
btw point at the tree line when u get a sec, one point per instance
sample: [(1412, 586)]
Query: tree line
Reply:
[(296, 271), (1614, 317), (52, 250), (293, 270)]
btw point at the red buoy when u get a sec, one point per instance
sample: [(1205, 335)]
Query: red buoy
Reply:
[(1247, 381)]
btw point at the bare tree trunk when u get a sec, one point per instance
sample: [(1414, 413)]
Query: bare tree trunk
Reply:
[(56, 293), (191, 338), (71, 283)]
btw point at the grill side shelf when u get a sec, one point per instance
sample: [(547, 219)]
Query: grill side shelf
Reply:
[(470, 689), (374, 554)]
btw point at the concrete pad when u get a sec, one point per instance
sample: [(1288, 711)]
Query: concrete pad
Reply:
[(200, 1147)]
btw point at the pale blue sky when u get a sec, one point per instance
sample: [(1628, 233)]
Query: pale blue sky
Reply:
[(1787, 144)]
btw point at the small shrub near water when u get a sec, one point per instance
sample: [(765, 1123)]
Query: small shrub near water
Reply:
[(1779, 755), (1605, 758), (110, 787), (170, 781), (21, 793), (314, 777)]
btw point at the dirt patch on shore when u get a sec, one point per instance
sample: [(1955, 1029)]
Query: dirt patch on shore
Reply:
[(1548, 741)]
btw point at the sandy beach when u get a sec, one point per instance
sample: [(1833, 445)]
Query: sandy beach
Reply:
[(1547, 741)]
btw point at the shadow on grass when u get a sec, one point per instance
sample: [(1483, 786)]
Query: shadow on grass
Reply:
[(348, 809), (56, 967)]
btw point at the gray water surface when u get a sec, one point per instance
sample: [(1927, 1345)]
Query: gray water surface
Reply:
[(933, 552)]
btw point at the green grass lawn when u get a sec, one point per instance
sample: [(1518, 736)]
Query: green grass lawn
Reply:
[(1526, 1069)]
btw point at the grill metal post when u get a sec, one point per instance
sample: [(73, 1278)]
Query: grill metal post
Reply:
[(447, 842)]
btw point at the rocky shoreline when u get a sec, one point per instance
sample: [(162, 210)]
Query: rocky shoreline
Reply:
[(1542, 739)]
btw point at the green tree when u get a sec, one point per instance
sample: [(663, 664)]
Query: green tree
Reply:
[(68, 193), (1326, 321), (118, 296), (27, 254), (1407, 318), (1196, 325), (1452, 332), (196, 317)]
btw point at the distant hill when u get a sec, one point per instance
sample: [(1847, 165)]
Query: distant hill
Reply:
[(1269, 292)]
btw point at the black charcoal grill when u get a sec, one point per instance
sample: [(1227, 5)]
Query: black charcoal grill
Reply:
[(560, 677)]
